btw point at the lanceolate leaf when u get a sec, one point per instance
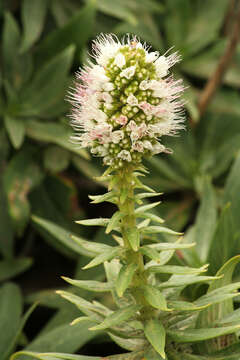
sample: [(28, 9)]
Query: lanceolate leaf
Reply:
[(10, 313), (155, 333), (221, 309), (90, 285), (173, 269), (106, 256), (131, 344), (114, 221), (64, 236), (94, 222), (33, 15), (144, 208), (159, 229), (117, 317), (133, 236), (193, 335), (124, 278), (155, 298), (53, 356)]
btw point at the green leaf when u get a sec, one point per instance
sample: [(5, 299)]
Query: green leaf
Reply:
[(52, 80), (11, 39), (170, 246), (225, 241), (16, 130), (10, 314), (64, 236), (119, 10), (151, 217), (22, 323), (131, 344), (155, 298), (124, 278), (216, 311), (185, 306), (81, 23), (56, 159), (105, 256), (203, 65), (96, 199), (150, 253), (64, 338), (13, 267), (33, 16), (6, 229), (194, 335), (146, 28), (133, 236), (114, 221), (185, 280), (144, 208), (92, 248), (159, 229), (52, 132), (205, 221), (117, 317), (174, 269), (21, 176), (91, 285), (52, 356), (155, 333), (94, 222), (232, 188)]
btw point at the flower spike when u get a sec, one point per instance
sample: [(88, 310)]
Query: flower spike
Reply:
[(125, 102)]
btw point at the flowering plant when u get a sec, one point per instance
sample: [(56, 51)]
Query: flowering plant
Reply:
[(122, 106)]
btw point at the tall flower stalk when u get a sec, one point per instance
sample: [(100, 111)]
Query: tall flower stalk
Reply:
[(122, 106)]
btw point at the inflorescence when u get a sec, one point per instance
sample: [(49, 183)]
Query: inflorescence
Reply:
[(124, 103)]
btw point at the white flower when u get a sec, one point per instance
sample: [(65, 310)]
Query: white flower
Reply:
[(108, 86), (107, 97), (147, 145), (132, 100), (162, 66), (122, 120), (117, 136), (128, 72), (144, 85), (125, 155), (120, 60), (152, 56)]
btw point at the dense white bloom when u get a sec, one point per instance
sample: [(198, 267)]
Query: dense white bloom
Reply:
[(126, 102)]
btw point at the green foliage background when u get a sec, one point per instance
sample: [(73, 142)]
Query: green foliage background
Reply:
[(43, 42)]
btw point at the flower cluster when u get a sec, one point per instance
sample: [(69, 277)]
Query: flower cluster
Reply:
[(124, 103)]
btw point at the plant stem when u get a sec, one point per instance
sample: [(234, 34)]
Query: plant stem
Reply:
[(126, 205)]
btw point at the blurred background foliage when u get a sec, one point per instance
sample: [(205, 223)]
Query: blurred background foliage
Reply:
[(43, 42)]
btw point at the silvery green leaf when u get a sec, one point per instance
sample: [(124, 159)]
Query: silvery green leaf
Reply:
[(114, 221), (152, 217), (124, 278), (174, 269), (144, 208), (91, 248), (117, 317), (193, 335), (91, 285), (156, 335), (96, 199), (155, 298), (159, 229), (105, 256), (94, 222), (131, 344)]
